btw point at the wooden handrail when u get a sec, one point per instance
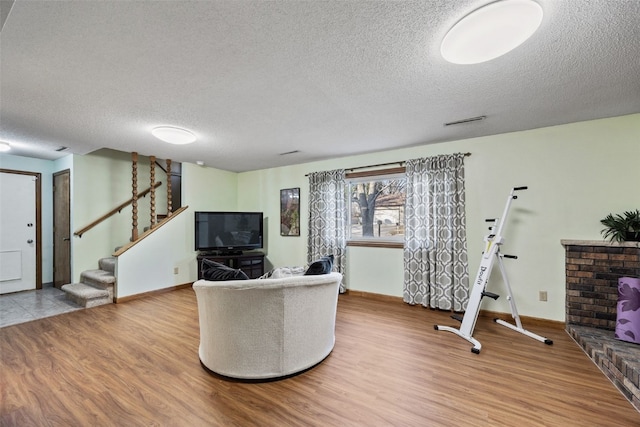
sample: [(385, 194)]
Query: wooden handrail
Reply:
[(129, 245), (83, 230)]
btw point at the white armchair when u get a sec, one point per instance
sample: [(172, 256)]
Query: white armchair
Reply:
[(266, 328)]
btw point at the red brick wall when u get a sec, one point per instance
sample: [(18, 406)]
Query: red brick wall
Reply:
[(592, 273)]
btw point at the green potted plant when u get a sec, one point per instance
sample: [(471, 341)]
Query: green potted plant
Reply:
[(622, 227)]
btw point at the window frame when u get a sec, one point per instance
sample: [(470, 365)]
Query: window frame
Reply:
[(354, 177)]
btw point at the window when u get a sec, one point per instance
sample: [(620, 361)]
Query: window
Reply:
[(376, 208)]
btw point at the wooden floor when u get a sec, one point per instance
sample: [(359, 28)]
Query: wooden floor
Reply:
[(136, 363)]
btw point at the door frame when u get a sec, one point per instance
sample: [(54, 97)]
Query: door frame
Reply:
[(56, 246), (38, 201)]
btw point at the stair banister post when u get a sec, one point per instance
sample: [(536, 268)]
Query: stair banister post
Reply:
[(152, 197), (169, 202), (134, 199)]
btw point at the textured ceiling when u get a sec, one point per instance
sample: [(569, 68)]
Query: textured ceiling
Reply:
[(254, 79)]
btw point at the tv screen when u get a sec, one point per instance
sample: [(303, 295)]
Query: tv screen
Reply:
[(228, 231)]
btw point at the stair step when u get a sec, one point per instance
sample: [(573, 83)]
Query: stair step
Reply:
[(108, 264), (98, 278), (86, 295)]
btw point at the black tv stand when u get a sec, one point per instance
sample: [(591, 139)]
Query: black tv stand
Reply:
[(252, 263), (221, 253)]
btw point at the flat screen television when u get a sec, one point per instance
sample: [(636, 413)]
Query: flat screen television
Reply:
[(228, 231)]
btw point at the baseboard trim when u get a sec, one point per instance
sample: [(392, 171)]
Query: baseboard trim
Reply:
[(373, 296), (526, 320), (150, 293)]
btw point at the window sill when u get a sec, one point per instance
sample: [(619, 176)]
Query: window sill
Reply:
[(376, 244)]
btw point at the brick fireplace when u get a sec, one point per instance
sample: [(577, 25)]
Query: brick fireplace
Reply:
[(593, 269), (592, 272)]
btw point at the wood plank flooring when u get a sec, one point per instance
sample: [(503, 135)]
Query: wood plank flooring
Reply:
[(136, 364)]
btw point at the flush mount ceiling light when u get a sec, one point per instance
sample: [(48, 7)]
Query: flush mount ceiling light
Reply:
[(4, 146), (173, 135), (491, 31)]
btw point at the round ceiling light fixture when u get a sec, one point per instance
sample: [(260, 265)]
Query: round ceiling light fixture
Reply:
[(491, 31), (4, 146), (173, 135)]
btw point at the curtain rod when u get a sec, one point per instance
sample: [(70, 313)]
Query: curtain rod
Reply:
[(400, 163)]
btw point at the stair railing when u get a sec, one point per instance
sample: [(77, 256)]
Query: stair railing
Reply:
[(169, 201), (152, 201), (134, 185), (114, 211), (168, 169), (135, 196), (134, 199)]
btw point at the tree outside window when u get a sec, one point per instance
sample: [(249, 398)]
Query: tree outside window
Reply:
[(377, 208)]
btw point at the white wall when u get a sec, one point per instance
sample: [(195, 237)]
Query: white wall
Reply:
[(576, 174), (151, 264), (45, 168)]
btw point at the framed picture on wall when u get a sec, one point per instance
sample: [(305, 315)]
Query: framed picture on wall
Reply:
[(290, 212)]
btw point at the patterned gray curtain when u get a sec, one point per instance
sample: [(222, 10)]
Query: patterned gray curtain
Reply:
[(435, 250), (327, 219)]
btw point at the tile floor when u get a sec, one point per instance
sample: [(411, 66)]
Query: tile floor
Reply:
[(26, 306)]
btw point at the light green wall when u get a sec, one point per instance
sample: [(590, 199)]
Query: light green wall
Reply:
[(260, 191), (101, 182), (207, 189), (576, 174), (167, 258), (204, 189)]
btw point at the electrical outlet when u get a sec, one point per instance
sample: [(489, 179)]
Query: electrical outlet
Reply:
[(543, 295), (175, 270)]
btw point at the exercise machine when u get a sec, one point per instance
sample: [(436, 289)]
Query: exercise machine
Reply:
[(491, 254)]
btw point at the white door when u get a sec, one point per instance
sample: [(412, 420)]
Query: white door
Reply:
[(17, 232)]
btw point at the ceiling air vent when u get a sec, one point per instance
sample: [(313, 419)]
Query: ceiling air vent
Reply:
[(469, 120), (61, 148), (290, 152)]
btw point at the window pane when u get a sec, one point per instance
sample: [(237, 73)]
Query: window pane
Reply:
[(377, 209)]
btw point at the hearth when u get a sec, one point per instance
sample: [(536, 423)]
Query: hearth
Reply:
[(592, 272)]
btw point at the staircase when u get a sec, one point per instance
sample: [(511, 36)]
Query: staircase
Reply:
[(95, 287)]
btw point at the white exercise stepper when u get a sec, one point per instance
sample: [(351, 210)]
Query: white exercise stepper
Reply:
[(491, 254)]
